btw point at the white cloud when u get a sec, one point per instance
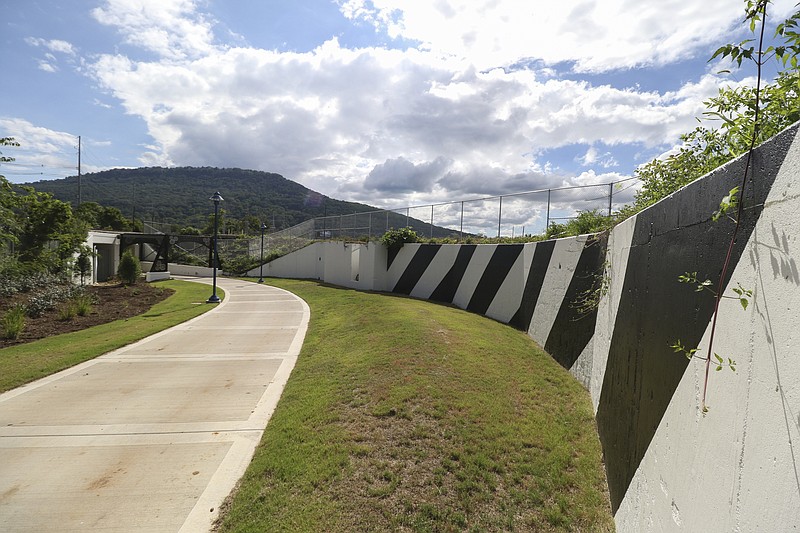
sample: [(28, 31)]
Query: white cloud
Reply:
[(47, 66), (172, 29), (54, 45), (596, 35), (50, 61), (594, 157), (393, 127), (342, 120), (102, 104), (43, 153), (403, 176), (36, 138)]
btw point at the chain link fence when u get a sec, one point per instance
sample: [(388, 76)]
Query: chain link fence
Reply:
[(510, 215)]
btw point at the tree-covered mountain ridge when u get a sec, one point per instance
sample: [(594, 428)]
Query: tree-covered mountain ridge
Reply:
[(180, 195)]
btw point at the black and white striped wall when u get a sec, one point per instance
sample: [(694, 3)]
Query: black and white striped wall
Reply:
[(670, 467), (507, 281)]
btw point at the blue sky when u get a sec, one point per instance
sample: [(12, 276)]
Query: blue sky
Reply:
[(388, 102)]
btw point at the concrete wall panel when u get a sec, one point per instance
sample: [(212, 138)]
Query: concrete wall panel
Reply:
[(619, 245), (473, 274), (670, 467), (560, 270), (494, 276), (301, 264), (508, 297), (400, 263), (670, 238), (432, 277), (743, 449)]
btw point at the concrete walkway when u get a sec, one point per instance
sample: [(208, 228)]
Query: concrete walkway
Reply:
[(153, 436)]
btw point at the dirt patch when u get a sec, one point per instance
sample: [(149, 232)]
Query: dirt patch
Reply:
[(111, 302)]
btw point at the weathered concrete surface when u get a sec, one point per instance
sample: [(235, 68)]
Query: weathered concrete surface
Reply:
[(153, 436)]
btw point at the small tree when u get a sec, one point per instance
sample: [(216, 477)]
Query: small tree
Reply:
[(83, 263), (129, 268)]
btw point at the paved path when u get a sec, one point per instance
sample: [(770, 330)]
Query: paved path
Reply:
[(153, 436)]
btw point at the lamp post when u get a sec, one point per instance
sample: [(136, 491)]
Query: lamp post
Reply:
[(261, 269), (217, 198)]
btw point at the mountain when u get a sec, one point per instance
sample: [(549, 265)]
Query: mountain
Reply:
[(180, 196)]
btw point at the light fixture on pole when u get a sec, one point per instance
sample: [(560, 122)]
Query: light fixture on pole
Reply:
[(261, 270), (217, 198)]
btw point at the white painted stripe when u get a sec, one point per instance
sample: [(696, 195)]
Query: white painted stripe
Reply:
[(509, 296), (617, 254), (477, 266), (436, 271), (400, 263), (565, 258)]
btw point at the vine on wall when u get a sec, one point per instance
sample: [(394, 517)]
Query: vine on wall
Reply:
[(742, 119)]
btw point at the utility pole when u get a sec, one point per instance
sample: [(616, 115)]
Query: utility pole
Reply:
[(134, 206), (79, 171)]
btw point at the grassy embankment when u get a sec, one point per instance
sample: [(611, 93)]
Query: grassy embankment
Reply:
[(407, 415), (27, 362)]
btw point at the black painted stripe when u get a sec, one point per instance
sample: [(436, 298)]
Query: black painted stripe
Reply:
[(533, 286), (416, 268), (654, 310), (493, 276), (574, 324), (391, 254), (447, 288)]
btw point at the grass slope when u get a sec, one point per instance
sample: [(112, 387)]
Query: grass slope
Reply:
[(28, 362), (409, 416)]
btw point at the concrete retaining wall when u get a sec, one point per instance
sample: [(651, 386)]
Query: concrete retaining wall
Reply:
[(670, 467)]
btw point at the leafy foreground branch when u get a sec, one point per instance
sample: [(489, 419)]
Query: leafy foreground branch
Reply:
[(407, 415)]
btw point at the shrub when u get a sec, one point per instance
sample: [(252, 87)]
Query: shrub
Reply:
[(14, 321), (129, 268), (67, 311), (399, 237), (15, 282), (83, 304), (585, 223), (240, 264), (47, 298)]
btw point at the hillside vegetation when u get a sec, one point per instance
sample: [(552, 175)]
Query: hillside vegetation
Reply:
[(180, 196)]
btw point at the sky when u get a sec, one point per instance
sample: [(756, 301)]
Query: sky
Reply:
[(386, 102)]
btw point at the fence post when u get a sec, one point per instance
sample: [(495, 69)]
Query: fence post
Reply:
[(369, 229), (407, 210), (387, 221), (500, 216), (431, 221), (461, 239), (547, 224), (610, 196)]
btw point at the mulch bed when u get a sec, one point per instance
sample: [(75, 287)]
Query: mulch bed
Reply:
[(112, 302)]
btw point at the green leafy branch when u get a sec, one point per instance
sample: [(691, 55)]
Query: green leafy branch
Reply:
[(589, 300), (691, 353), (742, 295), (728, 202)]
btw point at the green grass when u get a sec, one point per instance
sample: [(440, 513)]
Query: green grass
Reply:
[(27, 362), (406, 415)]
